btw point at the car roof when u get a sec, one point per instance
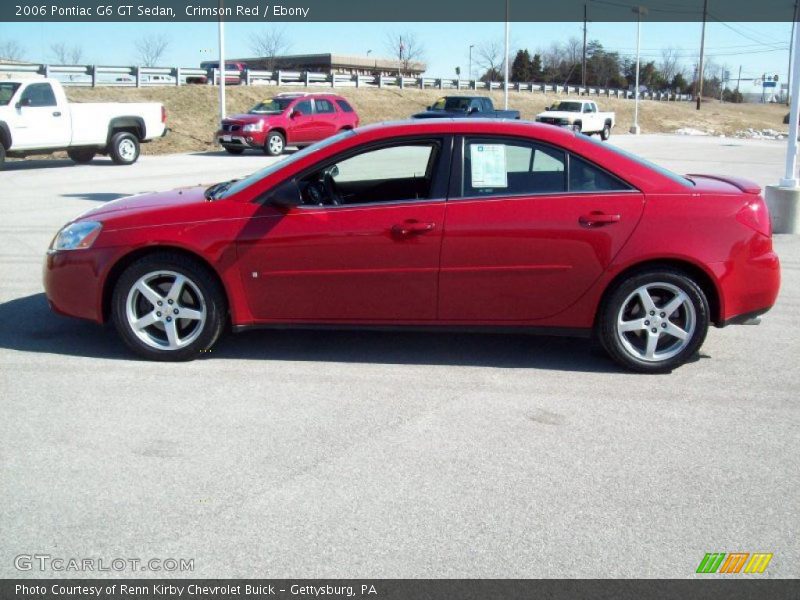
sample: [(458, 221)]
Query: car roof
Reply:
[(512, 127)]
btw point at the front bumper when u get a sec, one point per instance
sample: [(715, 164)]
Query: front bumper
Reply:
[(73, 282), (249, 139)]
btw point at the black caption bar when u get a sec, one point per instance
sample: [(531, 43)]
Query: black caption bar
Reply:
[(396, 589), (387, 10)]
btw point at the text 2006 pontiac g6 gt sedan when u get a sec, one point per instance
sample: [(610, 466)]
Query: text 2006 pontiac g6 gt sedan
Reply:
[(433, 224)]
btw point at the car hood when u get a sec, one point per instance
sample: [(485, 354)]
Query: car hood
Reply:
[(558, 114), (248, 118), (147, 202)]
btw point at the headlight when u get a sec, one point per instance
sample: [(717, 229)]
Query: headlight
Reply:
[(76, 236), (253, 126)]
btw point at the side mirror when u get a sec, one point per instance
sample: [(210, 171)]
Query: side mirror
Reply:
[(334, 171), (429, 108), (472, 110), (546, 108), (23, 102), (295, 114), (286, 195)]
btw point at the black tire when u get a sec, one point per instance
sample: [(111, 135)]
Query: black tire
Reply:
[(2, 156), (622, 347), (275, 144), (81, 157), (606, 132), (577, 127), (233, 149), (206, 286), (124, 148)]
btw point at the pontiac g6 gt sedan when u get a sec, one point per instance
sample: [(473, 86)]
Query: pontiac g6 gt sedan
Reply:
[(494, 225)]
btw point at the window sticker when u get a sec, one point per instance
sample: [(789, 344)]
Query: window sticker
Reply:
[(488, 163)]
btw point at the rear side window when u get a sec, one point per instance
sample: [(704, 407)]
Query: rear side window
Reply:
[(344, 106), (494, 167), (38, 94), (303, 107), (324, 106), (586, 177)]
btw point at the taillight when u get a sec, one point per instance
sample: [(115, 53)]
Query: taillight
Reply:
[(755, 215), (163, 114)]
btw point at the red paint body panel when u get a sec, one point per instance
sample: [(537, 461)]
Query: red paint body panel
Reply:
[(522, 261)]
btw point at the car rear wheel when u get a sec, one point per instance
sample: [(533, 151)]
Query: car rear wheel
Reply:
[(577, 127), (81, 156), (606, 132), (124, 148), (233, 149), (275, 143), (168, 307), (654, 321)]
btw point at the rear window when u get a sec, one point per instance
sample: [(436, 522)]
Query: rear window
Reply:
[(344, 106), (660, 170)]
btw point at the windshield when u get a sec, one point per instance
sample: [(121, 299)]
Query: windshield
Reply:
[(271, 107), (567, 106), (226, 189), (454, 104), (7, 89), (660, 170)]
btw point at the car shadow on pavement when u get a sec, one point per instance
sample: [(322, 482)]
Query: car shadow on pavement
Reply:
[(28, 325), (52, 163)]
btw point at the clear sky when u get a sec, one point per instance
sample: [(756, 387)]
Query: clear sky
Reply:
[(757, 47)]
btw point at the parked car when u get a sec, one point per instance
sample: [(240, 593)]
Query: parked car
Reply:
[(293, 119), (581, 115), (455, 107), (230, 78), (462, 223), (35, 117)]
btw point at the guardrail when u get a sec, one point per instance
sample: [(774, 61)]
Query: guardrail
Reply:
[(135, 76)]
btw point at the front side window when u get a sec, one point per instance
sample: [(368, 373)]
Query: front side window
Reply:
[(499, 168), (400, 172), (304, 107), (324, 106), (271, 107), (567, 106), (38, 94)]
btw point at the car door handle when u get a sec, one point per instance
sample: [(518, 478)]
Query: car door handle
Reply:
[(597, 218), (410, 228), (57, 113)]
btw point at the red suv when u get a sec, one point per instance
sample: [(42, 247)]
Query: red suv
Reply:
[(287, 119)]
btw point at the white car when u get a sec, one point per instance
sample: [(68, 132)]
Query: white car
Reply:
[(36, 118), (580, 115)]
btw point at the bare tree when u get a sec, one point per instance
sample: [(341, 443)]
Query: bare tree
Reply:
[(489, 57), (573, 51), (669, 63), (268, 44), (11, 50), (66, 56), (151, 48), (405, 46)]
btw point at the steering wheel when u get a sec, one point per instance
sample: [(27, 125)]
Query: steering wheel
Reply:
[(330, 189)]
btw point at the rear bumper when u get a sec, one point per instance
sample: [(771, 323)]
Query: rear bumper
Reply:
[(749, 284)]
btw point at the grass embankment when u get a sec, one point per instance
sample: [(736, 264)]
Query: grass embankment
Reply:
[(192, 110)]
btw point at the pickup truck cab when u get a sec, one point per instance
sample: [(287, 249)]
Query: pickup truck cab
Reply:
[(36, 118), (291, 119), (465, 106), (580, 115)]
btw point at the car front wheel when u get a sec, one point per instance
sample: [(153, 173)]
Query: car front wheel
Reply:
[(168, 307), (233, 149), (654, 321), (275, 144), (81, 156)]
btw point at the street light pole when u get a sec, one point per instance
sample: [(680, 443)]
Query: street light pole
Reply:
[(505, 69), (639, 10), (221, 62), (470, 60)]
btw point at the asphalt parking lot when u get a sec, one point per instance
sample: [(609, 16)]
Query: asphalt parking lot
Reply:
[(322, 454)]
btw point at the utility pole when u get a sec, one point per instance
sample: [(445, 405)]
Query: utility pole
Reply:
[(505, 62), (739, 79), (583, 64), (791, 52), (470, 61), (699, 86)]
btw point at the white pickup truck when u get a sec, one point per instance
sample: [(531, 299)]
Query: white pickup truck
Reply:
[(36, 118), (580, 115)]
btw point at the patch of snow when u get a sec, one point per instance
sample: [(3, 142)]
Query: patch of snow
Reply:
[(760, 134)]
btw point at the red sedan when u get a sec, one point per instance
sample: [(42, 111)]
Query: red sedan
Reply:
[(493, 225)]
